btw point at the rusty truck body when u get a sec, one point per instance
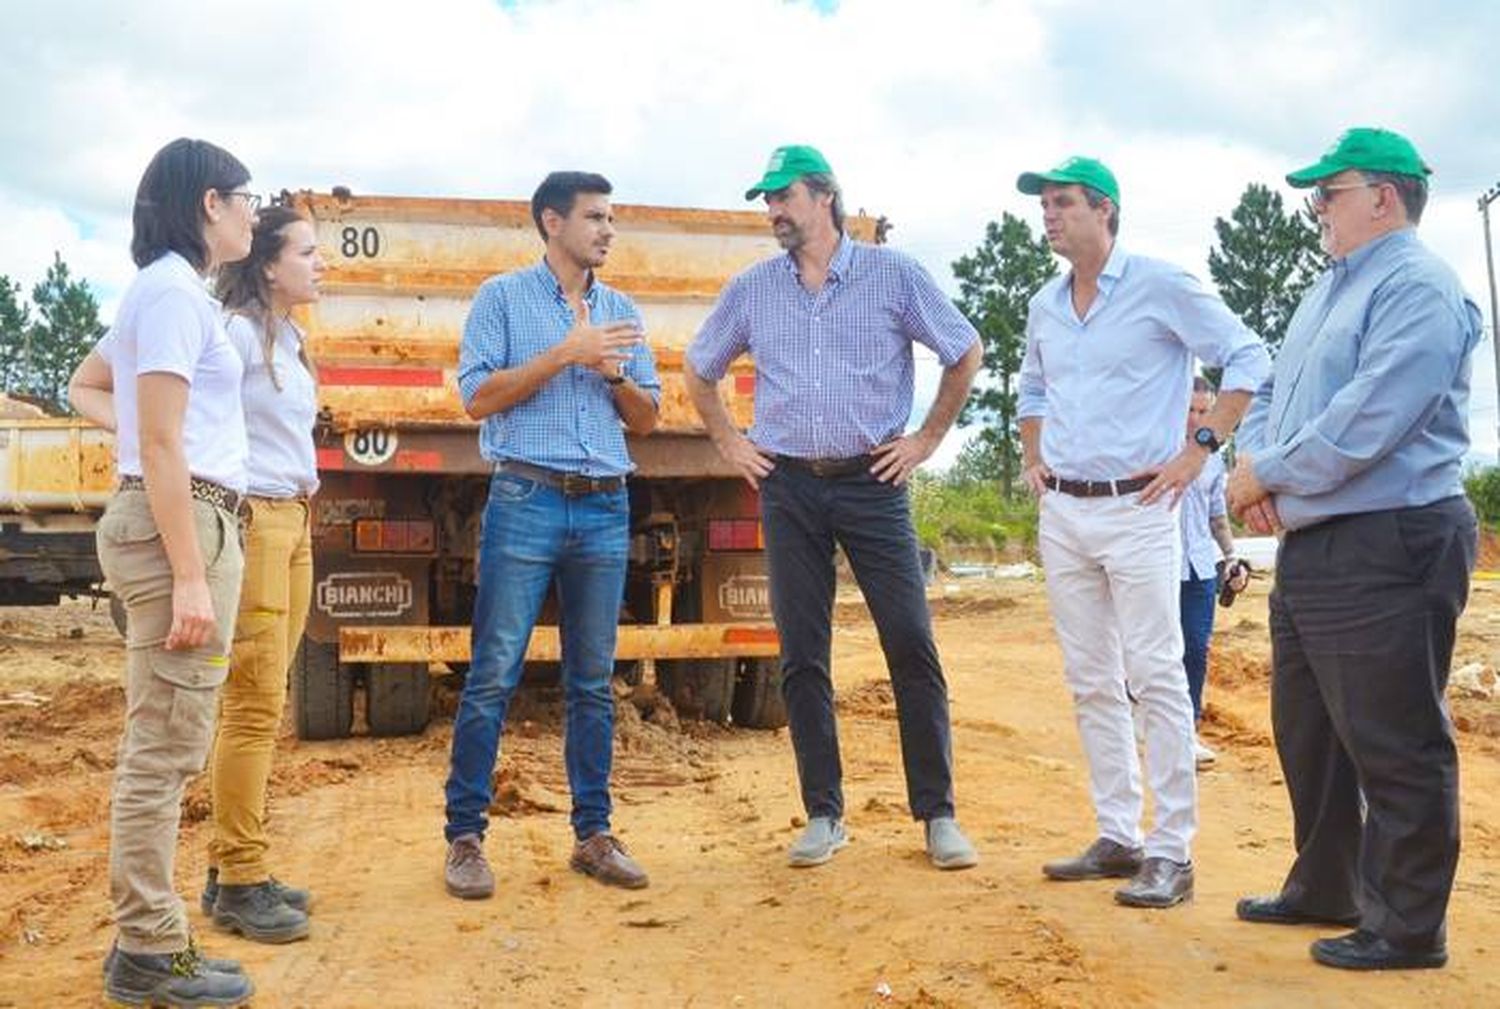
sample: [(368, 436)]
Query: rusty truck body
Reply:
[(396, 520)]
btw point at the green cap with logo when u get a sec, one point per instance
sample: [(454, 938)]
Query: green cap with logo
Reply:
[(1366, 149), (1083, 171), (787, 165)]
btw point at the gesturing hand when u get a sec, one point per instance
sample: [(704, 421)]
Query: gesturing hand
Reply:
[(603, 348)]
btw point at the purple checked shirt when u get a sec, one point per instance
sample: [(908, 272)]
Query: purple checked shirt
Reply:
[(833, 370)]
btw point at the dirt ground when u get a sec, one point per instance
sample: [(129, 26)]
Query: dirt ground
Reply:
[(709, 811)]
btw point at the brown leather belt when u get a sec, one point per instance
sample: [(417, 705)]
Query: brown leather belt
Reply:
[(218, 495), (1099, 488), (829, 467), (571, 484)]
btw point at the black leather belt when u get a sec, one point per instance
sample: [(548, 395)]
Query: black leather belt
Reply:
[(218, 495), (829, 467), (571, 484), (1099, 488)]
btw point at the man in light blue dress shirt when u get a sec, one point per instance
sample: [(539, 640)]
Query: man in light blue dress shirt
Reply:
[(1355, 448), (554, 364), (1103, 391), (831, 326)]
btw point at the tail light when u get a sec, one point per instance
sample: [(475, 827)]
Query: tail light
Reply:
[(395, 536), (735, 534)]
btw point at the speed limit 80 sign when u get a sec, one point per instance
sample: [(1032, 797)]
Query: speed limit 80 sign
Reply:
[(373, 447)]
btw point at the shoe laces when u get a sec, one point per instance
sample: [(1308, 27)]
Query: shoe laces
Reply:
[(465, 850), (187, 962)]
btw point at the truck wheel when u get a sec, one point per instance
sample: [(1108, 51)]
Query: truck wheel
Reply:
[(758, 703), (698, 688), (322, 692), (397, 695)]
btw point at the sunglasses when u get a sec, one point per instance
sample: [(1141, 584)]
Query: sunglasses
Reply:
[(1322, 195)]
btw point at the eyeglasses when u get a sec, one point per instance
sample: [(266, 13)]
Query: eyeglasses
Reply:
[(252, 200), (1322, 195)]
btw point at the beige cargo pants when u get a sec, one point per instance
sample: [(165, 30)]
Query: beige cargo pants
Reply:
[(170, 700)]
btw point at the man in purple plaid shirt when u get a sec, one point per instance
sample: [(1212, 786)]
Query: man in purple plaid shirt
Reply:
[(830, 326)]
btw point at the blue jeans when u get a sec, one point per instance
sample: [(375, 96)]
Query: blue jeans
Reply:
[(1197, 605), (533, 534), (804, 516)]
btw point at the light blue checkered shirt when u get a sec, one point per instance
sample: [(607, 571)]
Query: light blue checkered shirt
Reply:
[(833, 370), (571, 423), (1202, 500)]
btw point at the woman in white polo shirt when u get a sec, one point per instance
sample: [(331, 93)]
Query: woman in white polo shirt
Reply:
[(280, 409), (169, 545)]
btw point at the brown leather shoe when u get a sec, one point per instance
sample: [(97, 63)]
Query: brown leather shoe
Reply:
[(604, 857), (466, 873)]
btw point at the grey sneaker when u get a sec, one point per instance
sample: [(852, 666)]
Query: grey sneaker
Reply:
[(1104, 858), (824, 836), (290, 895), (467, 874), (1160, 883), (257, 912), (947, 847), (179, 979)]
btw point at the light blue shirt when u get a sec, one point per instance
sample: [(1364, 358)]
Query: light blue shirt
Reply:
[(834, 370), (570, 423), (1368, 406), (1202, 500), (1113, 390)]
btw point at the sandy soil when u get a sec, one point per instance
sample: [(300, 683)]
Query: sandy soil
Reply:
[(709, 811)]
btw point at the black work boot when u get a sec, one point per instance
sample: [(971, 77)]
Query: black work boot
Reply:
[(257, 912), (209, 963), (177, 980), (290, 895)]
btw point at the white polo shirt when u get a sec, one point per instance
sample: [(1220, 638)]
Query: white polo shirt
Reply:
[(278, 421), (168, 323)]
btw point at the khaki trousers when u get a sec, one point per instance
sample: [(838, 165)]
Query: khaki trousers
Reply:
[(169, 710), (273, 612)]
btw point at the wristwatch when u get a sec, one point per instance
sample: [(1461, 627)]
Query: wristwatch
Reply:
[(1205, 437), (615, 379)]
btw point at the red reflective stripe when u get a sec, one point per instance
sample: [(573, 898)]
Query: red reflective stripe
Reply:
[(336, 375), (331, 458), (750, 635), (410, 459)]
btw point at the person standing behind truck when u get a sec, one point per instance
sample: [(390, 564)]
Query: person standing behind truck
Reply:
[(831, 326), (280, 402), (169, 546), (553, 362)]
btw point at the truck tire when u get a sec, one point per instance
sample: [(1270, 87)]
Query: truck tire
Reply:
[(322, 692), (397, 696), (698, 688), (758, 703)]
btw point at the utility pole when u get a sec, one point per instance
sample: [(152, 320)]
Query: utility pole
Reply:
[(1490, 196)]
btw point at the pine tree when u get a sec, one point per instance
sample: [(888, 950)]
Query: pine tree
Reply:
[(1265, 260)]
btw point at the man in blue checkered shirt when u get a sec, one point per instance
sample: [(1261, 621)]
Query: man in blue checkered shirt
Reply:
[(555, 365), (831, 326)]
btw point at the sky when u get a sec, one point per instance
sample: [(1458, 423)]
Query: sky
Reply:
[(927, 112)]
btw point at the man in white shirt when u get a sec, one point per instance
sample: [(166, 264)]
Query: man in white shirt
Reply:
[(1104, 387)]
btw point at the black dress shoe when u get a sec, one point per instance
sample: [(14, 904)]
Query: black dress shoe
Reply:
[(1361, 950), (1160, 883), (1276, 911), (1104, 858)]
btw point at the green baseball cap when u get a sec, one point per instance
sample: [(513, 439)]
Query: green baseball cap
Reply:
[(1083, 171), (787, 165), (1367, 149)]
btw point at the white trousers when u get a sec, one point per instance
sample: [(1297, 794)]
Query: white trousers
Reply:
[(1112, 569)]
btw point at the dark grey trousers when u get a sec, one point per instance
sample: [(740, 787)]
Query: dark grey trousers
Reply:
[(1362, 631)]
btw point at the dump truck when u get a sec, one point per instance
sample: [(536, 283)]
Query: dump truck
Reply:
[(396, 519)]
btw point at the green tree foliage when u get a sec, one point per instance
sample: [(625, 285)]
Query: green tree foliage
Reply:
[(996, 281), (1483, 487), (1264, 261), (38, 352)]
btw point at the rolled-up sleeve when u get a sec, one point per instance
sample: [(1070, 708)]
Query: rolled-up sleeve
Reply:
[(1215, 336), (1410, 355), (931, 319), (724, 335), (1031, 388), (485, 348)]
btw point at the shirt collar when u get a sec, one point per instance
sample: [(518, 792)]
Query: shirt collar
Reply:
[(838, 266), (549, 281), (1109, 276), (1390, 240)]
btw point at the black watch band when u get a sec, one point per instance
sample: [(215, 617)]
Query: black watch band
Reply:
[(1205, 436)]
